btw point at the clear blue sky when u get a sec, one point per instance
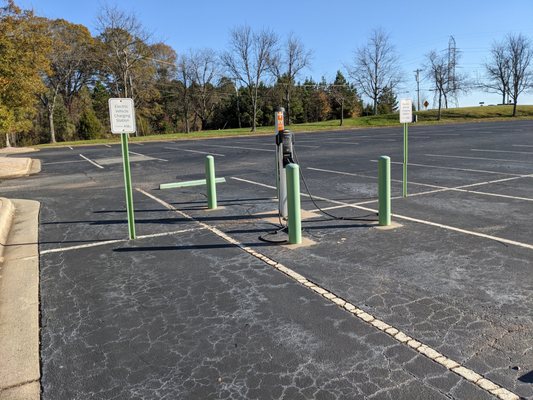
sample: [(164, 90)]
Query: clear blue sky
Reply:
[(332, 29)]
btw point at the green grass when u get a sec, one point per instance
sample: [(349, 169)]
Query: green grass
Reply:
[(453, 115)]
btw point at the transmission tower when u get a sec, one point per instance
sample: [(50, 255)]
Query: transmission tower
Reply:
[(451, 84)]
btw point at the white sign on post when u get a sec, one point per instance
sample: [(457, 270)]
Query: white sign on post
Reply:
[(406, 111), (122, 116)]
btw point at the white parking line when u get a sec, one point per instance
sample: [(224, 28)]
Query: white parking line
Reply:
[(144, 155), (63, 162), (95, 244), (106, 145), (502, 151), (70, 147), (454, 169), (194, 151), (242, 148), (479, 158), (378, 324), (91, 161), (438, 188), (407, 218), (338, 142), (138, 144), (522, 145)]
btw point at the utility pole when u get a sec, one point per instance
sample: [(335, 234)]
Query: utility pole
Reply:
[(417, 76)]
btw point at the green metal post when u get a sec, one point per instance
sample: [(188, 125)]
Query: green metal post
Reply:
[(211, 182), (293, 203), (127, 185), (405, 158), (384, 190)]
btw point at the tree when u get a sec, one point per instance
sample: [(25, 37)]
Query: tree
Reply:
[(285, 64), (498, 71), (520, 53), (123, 47), (71, 65), (204, 71), (24, 47), (447, 82), (437, 72), (344, 98), (247, 61), (387, 102), (375, 67), (184, 78)]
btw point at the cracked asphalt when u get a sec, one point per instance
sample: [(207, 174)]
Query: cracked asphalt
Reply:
[(191, 316)]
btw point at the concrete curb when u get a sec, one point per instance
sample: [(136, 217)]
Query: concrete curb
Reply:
[(7, 211), (14, 167), (19, 306)]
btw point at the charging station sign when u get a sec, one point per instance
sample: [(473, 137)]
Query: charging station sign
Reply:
[(406, 111), (279, 121), (122, 115)]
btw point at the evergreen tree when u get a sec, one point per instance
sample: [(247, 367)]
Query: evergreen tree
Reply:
[(387, 102)]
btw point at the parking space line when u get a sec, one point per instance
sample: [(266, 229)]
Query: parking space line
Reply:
[(438, 188), (91, 161), (106, 242), (479, 158), (144, 155), (194, 151), (522, 145), (453, 168), (502, 151), (239, 147), (106, 145), (136, 143), (336, 142), (396, 334), (70, 147), (63, 162), (407, 218)]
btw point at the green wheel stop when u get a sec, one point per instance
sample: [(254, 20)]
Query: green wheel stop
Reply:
[(384, 191), (293, 203)]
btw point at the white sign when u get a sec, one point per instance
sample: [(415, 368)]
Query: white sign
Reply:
[(406, 111), (122, 116)]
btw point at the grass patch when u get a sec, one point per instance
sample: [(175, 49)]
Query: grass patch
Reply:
[(452, 115)]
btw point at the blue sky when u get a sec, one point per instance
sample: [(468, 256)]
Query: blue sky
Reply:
[(332, 29)]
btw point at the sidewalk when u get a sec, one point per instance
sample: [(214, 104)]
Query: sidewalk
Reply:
[(16, 167), (19, 285)]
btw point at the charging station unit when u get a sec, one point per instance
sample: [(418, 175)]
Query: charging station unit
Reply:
[(284, 157)]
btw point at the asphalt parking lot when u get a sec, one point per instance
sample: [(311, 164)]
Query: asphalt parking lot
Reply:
[(181, 312)]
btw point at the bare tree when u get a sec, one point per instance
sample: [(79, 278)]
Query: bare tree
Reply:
[(520, 54), (124, 45), (184, 77), (286, 63), (437, 72), (498, 71), (247, 60), (375, 67), (205, 72)]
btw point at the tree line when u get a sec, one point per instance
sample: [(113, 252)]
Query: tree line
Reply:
[(56, 78)]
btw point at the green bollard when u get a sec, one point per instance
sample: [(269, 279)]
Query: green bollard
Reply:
[(127, 185), (211, 182), (293, 203), (384, 191)]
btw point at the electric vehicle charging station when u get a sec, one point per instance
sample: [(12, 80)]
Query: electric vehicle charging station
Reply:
[(284, 157)]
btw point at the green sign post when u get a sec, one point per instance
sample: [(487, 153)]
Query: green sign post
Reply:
[(122, 117), (406, 117)]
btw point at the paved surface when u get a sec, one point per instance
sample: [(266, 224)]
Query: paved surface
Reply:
[(190, 315)]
